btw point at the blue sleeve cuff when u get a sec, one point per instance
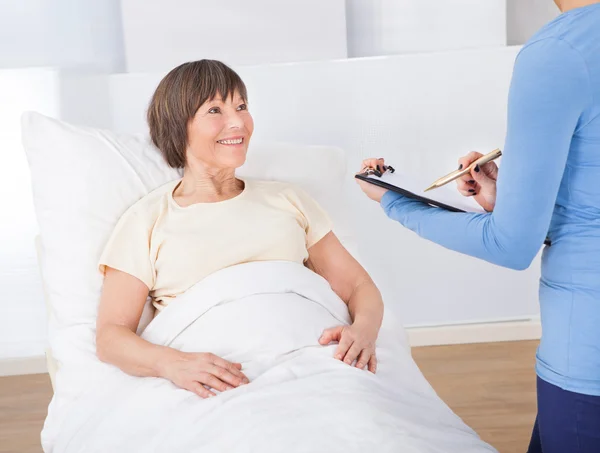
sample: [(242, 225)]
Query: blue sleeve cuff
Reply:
[(389, 198), (396, 205)]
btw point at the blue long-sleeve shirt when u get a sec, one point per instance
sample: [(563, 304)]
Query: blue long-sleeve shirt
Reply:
[(548, 185)]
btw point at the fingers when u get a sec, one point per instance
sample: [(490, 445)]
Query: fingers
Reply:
[(201, 391), (481, 177), (343, 347), (231, 368), (352, 353), (374, 163), (349, 350), (345, 342), (467, 184), (467, 160), (225, 376), (221, 375), (467, 188), (363, 358), (329, 335), (213, 382), (489, 169), (373, 364)]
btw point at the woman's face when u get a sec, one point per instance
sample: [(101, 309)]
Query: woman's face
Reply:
[(219, 133)]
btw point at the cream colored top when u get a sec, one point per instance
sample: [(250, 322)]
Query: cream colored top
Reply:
[(170, 248)]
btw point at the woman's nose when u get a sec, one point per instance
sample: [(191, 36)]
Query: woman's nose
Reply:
[(235, 121)]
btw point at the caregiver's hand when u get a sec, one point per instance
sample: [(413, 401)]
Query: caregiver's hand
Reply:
[(481, 183), (372, 191), (193, 370), (355, 342)]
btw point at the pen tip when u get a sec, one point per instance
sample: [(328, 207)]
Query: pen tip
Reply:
[(429, 188)]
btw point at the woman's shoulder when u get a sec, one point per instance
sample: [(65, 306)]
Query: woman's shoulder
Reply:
[(148, 208), (273, 185), (277, 188), (291, 194)]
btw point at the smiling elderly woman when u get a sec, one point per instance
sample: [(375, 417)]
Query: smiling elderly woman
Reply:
[(209, 220)]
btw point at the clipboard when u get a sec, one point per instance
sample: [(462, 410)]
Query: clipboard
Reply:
[(445, 197)]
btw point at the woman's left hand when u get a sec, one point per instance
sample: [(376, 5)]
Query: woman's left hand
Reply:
[(372, 191), (355, 342)]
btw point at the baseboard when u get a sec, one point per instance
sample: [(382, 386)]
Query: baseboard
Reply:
[(490, 332), (26, 365)]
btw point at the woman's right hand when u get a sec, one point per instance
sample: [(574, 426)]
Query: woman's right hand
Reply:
[(195, 370), (481, 183)]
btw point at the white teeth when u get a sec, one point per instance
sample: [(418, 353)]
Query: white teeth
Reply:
[(231, 142)]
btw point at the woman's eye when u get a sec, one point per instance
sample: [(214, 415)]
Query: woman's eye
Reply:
[(214, 110), (243, 107)]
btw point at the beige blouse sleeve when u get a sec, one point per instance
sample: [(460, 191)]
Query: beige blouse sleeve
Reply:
[(128, 248), (317, 221)]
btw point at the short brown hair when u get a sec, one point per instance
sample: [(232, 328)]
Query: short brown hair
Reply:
[(177, 98)]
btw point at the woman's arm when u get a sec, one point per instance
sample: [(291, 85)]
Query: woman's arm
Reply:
[(549, 91), (354, 286), (121, 305)]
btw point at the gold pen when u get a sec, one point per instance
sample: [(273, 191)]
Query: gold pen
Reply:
[(458, 173)]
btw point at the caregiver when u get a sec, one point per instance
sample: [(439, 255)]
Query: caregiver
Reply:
[(548, 185)]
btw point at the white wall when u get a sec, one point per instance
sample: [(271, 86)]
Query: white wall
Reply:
[(525, 17), (61, 33), (22, 310), (388, 27), (88, 33), (161, 34)]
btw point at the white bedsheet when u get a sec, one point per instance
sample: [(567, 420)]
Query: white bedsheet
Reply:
[(268, 316)]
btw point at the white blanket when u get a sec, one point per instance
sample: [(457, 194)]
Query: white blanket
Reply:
[(269, 317)]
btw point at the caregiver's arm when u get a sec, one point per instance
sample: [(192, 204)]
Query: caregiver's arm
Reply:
[(121, 305), (549, 91), (354, 286)]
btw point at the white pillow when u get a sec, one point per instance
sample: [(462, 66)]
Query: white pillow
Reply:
[(84, 179)]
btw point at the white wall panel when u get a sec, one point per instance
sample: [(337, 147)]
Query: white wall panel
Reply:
[(22, 310), (161, 34), (61, 33), (388, 27), (525, 17)]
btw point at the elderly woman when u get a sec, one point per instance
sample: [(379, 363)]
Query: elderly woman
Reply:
[(209, 220)]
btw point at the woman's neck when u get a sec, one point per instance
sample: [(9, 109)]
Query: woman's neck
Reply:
[(568, 5), (200, 185)]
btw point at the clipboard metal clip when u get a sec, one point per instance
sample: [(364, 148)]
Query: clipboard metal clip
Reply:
[(371, 171)]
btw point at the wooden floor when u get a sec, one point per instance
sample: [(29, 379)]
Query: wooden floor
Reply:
[(491, 386), (23, 406)]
